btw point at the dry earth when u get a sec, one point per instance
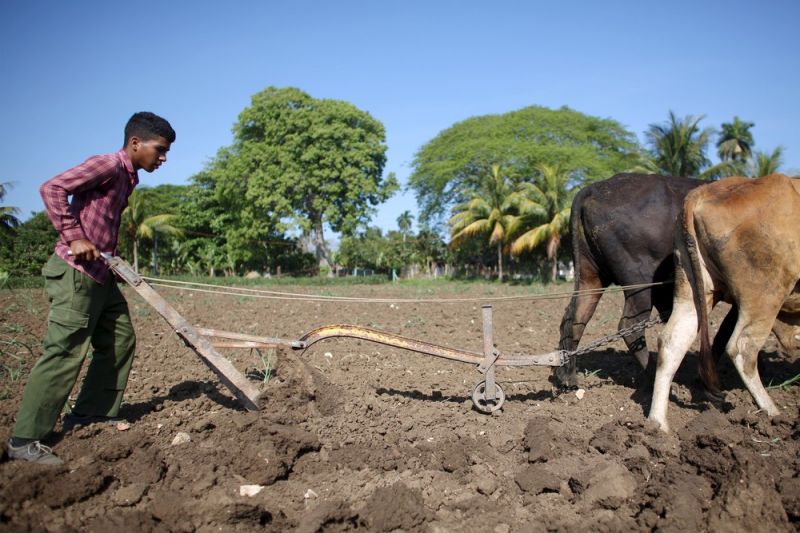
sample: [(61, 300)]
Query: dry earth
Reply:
[(359, 436)]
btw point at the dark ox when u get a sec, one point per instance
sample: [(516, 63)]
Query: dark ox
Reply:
[(739, 242), (622, 233)]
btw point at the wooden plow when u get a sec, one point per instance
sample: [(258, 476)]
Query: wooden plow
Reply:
[(487, 395)]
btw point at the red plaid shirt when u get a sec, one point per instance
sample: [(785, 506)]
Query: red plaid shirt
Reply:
[(99, 187)]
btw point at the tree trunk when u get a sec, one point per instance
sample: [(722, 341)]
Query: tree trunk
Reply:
[(136, 255), (552, 248), (321, 250), (500, 262), (155, 254)]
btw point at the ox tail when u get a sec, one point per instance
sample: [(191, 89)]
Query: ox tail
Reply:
[(694, 271)]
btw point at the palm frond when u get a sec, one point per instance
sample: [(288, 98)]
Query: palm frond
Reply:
[(498, 234), (735, 141), (530, 239), (477, 227), (162, 224), (679, 146), (764, 164)]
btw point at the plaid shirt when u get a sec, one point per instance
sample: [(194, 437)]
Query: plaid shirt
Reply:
[(99, 187)]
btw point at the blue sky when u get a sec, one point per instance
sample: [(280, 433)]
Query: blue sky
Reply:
[(73, 72)]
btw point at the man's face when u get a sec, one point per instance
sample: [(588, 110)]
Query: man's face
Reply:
[(149, 154)]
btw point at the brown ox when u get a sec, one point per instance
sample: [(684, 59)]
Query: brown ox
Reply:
[(737, 240)]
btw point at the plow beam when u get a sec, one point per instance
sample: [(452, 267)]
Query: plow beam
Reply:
[(244, 391)]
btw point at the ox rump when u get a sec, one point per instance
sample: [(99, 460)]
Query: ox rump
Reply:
[(622, 234), (737, 240)]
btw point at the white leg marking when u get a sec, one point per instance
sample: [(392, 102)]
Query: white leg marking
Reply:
[(673, 343)]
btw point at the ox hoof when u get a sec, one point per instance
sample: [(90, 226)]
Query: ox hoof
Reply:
[(646, 378), (715, 398), (563, 379), (653, 425)]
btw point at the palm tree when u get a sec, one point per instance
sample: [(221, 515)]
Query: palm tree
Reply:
[(764, 164), (544, 207), (404, 222), (491, 211), (735, 141), (679, 146), (8, 214), (137, 225)]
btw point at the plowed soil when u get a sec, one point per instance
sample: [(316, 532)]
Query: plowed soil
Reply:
[(360, 436)]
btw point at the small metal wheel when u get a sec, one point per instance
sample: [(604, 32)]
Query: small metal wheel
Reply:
[(484, 404)]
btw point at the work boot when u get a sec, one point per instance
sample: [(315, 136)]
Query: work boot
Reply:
[(35, 452), (72, 420)]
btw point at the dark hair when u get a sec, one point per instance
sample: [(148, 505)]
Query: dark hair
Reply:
[(147, 125)]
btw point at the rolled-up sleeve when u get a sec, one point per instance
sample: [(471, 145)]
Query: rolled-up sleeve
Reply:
[(55, 192)]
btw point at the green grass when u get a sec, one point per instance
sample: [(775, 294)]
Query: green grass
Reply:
[(12, 369), (5, 344), (786, 384), (27, 282), (14, 372), (417, 283), (588, 374), (312, 281), (265, 369)]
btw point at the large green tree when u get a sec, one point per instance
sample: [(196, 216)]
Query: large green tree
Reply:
[(210, 223), (448, 169), (304, 163)]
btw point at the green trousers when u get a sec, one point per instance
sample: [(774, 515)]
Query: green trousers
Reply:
[(83, 313)]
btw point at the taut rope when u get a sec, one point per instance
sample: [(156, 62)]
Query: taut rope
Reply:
[(280, 295)]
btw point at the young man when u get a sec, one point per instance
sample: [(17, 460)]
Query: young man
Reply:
[(86, 306)]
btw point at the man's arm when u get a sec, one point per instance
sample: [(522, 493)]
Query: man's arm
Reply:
[(55, 193)]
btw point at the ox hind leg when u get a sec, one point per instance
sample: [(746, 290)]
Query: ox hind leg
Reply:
[(673, 343), (577, 314), (748, 337)]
